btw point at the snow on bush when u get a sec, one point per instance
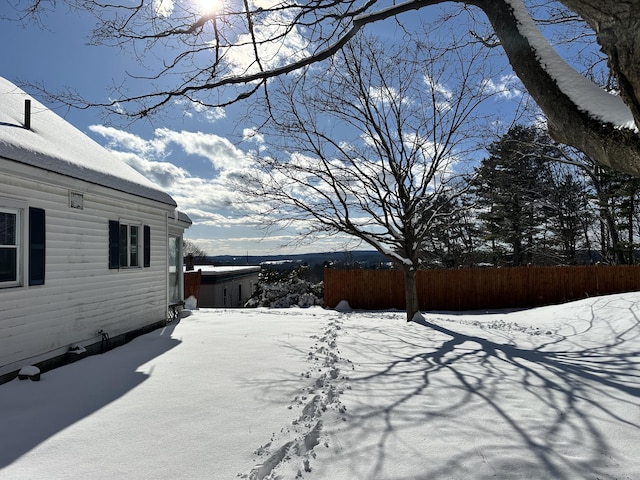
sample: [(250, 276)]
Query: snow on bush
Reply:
[(278, 289)]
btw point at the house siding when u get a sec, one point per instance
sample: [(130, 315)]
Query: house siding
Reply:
[(80, 295)]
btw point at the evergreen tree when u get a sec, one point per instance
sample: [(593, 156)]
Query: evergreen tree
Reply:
[(572, 215), (453, 233), (618, 203), (512, 187)]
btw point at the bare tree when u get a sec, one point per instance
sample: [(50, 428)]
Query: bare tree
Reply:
[(197, 253), (242, 44), (371, 143)]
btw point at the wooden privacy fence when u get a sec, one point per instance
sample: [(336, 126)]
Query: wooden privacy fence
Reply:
[(192, 284), (478, 288)]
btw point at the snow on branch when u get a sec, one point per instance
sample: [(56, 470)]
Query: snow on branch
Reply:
[(588, 96)]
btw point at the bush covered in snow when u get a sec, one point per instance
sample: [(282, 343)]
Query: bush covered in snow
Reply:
[(282, 289)]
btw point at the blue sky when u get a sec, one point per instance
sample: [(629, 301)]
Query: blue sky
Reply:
[(192, 147), (185, 151)]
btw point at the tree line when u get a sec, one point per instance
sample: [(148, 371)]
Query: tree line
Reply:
[(533, 202)]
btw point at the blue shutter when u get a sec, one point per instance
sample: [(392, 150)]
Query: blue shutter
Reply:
[(36, 246), (114, 244), (147, 246)]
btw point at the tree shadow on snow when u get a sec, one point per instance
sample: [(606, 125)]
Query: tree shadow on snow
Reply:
[(535, 412), (32, 412)]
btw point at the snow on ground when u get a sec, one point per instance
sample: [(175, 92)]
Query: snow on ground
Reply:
[(548, 393)]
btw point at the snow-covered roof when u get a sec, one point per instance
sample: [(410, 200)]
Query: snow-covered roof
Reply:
[(53, 144), (224, 269), (180, 217)]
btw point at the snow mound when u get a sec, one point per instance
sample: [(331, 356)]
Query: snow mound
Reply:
[(191, 303), (343, 307)]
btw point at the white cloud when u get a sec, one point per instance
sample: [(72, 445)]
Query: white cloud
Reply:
[(163, 8), (266, 4), (210, 114), (119, 139), (252, 135), (442, 94), (165, 174), (386, 95), (277, 45), (220, 220), (438, 88), (212, 200), (267, 243), (218, 150), (507, 86)]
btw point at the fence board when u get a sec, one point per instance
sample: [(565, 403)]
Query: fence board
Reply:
[(192, 284), (480, 288)]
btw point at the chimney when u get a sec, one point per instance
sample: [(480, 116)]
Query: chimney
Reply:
[(27, 114), (189, 262)]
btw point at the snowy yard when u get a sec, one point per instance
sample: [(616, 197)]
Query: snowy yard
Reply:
[(549, 393)]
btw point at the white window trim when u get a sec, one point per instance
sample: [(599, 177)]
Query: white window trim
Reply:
[(21, 209), (139, 244)]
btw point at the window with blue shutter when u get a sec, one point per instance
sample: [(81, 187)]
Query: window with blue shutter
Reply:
[(124, 245), (10, 251), (37, 243), (114, 244), (147, 246)]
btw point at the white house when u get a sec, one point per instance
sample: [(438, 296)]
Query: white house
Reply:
[(90, 250)]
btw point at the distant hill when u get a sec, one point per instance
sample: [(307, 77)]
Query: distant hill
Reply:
[(314, 262), (356, 259)]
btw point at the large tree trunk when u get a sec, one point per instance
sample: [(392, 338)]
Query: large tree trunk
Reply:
[(411, 293), (617, 27), (568, 123)]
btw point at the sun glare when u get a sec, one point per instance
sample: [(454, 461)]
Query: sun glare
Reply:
[(206, 7)]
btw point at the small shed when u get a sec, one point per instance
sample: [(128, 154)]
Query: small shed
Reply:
[(90, 249), (226, 286)]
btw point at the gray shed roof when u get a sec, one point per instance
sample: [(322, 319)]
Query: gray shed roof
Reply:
[(53, 144)]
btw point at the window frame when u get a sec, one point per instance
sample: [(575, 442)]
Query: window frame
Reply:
[(120, 243), (126, 254), (13, 208), (30, 243)]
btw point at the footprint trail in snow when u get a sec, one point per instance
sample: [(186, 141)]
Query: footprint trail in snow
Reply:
[(325, 379)]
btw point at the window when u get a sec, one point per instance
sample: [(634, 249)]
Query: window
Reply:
[(10, 246), (125, 242), (12, 237), (175, 268), (129, 245)]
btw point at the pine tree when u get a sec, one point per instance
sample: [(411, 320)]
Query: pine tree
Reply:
[(617, 195), (453, 233), (512, 187), (572, 215)]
